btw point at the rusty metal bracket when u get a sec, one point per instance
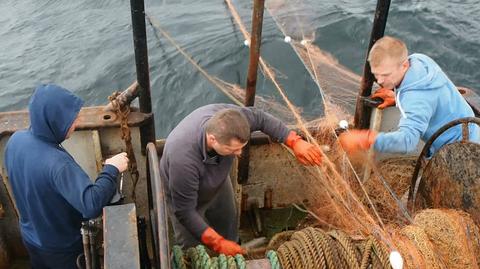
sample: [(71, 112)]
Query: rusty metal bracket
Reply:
[(126, 97)]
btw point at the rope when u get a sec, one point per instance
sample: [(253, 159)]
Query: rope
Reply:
[(309, 248), (198, 258), (273, 258), (178, 260), (313, 248), (218, 83)]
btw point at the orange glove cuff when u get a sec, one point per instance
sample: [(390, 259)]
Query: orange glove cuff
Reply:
[(219, 244), (292, 139), (371, 135), (210, 237)]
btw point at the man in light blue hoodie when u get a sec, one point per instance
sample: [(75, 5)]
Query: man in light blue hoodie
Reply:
[(425, 96)]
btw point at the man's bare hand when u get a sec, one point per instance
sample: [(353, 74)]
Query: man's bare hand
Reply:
[(120, 161)]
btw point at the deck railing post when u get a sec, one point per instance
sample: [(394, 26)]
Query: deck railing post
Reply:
[(255, 42), (147, 131), (363, 112)]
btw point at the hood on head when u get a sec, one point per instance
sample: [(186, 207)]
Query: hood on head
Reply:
[(52, 111), (422, 74)]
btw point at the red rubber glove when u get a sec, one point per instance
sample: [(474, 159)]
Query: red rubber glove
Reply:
[(219, 244), (387, 95), (356, 140), (305, 152)]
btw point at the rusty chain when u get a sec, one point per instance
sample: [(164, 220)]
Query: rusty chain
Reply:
[(122, 112)]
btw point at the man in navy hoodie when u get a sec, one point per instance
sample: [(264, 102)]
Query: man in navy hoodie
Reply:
[(52, 192), (425, 96)]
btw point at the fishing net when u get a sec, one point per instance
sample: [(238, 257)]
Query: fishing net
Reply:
[(335, 193), (454, 235)]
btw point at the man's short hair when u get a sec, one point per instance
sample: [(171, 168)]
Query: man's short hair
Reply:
[(229, 124), (387, 47)]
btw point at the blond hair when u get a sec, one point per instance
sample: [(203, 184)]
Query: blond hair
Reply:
[(387, 47)]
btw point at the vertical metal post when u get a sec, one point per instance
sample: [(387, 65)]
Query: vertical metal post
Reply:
[(147, 131), (363, 112), (255, 42)]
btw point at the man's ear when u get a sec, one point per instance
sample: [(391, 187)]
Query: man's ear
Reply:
[(406, 64), (210, 139)]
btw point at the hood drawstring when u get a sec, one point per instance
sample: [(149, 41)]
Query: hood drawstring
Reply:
[(397, 102)]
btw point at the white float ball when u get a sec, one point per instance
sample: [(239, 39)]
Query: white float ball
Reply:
[(343, 124), (246, 42), (396, 260), (287, 39)]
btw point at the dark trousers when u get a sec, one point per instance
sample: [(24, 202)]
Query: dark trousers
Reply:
[(42, 259), (220, 213)]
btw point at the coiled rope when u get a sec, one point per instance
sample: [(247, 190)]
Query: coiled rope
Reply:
[(309, 248), (313, 248), (198, 258)]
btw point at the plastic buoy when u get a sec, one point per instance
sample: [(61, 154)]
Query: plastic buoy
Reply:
[(304, 42), (396, 260), (246, 42), (343, 124), (287, 39)]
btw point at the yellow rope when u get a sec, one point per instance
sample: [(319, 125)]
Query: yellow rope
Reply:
[(156, 24), (314, 249)]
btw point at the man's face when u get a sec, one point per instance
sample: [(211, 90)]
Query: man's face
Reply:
[(389, 73), (233, 148)]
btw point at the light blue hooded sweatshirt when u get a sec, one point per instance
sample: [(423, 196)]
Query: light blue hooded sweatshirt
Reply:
[(427, 100)]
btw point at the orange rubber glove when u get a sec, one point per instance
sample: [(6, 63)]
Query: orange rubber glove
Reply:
[(387, 95), (356, 140), (305, 152), (219, 244)]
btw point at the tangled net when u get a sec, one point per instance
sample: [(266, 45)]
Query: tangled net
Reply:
[(338, 198)]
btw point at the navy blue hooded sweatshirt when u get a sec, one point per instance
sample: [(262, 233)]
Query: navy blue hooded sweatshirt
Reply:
[(52, 192)]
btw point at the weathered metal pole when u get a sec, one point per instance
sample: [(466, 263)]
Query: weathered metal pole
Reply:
[(147, 131), (255, 42), (363, 112)]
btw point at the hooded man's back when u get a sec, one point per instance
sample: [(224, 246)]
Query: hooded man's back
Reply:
[(52, 193)]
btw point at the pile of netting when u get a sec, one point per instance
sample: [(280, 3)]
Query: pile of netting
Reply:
[(438, 238), (338, 194)]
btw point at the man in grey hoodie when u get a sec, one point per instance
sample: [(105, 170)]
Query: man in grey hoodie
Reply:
[(195, 167)]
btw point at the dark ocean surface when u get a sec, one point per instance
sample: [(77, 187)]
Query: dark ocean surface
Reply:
[(87, 46)]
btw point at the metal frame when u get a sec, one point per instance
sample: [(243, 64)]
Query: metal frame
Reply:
[(426, 148), (158, 213)]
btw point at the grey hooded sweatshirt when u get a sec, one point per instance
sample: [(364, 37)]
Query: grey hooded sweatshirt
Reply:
[(190, 176)]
